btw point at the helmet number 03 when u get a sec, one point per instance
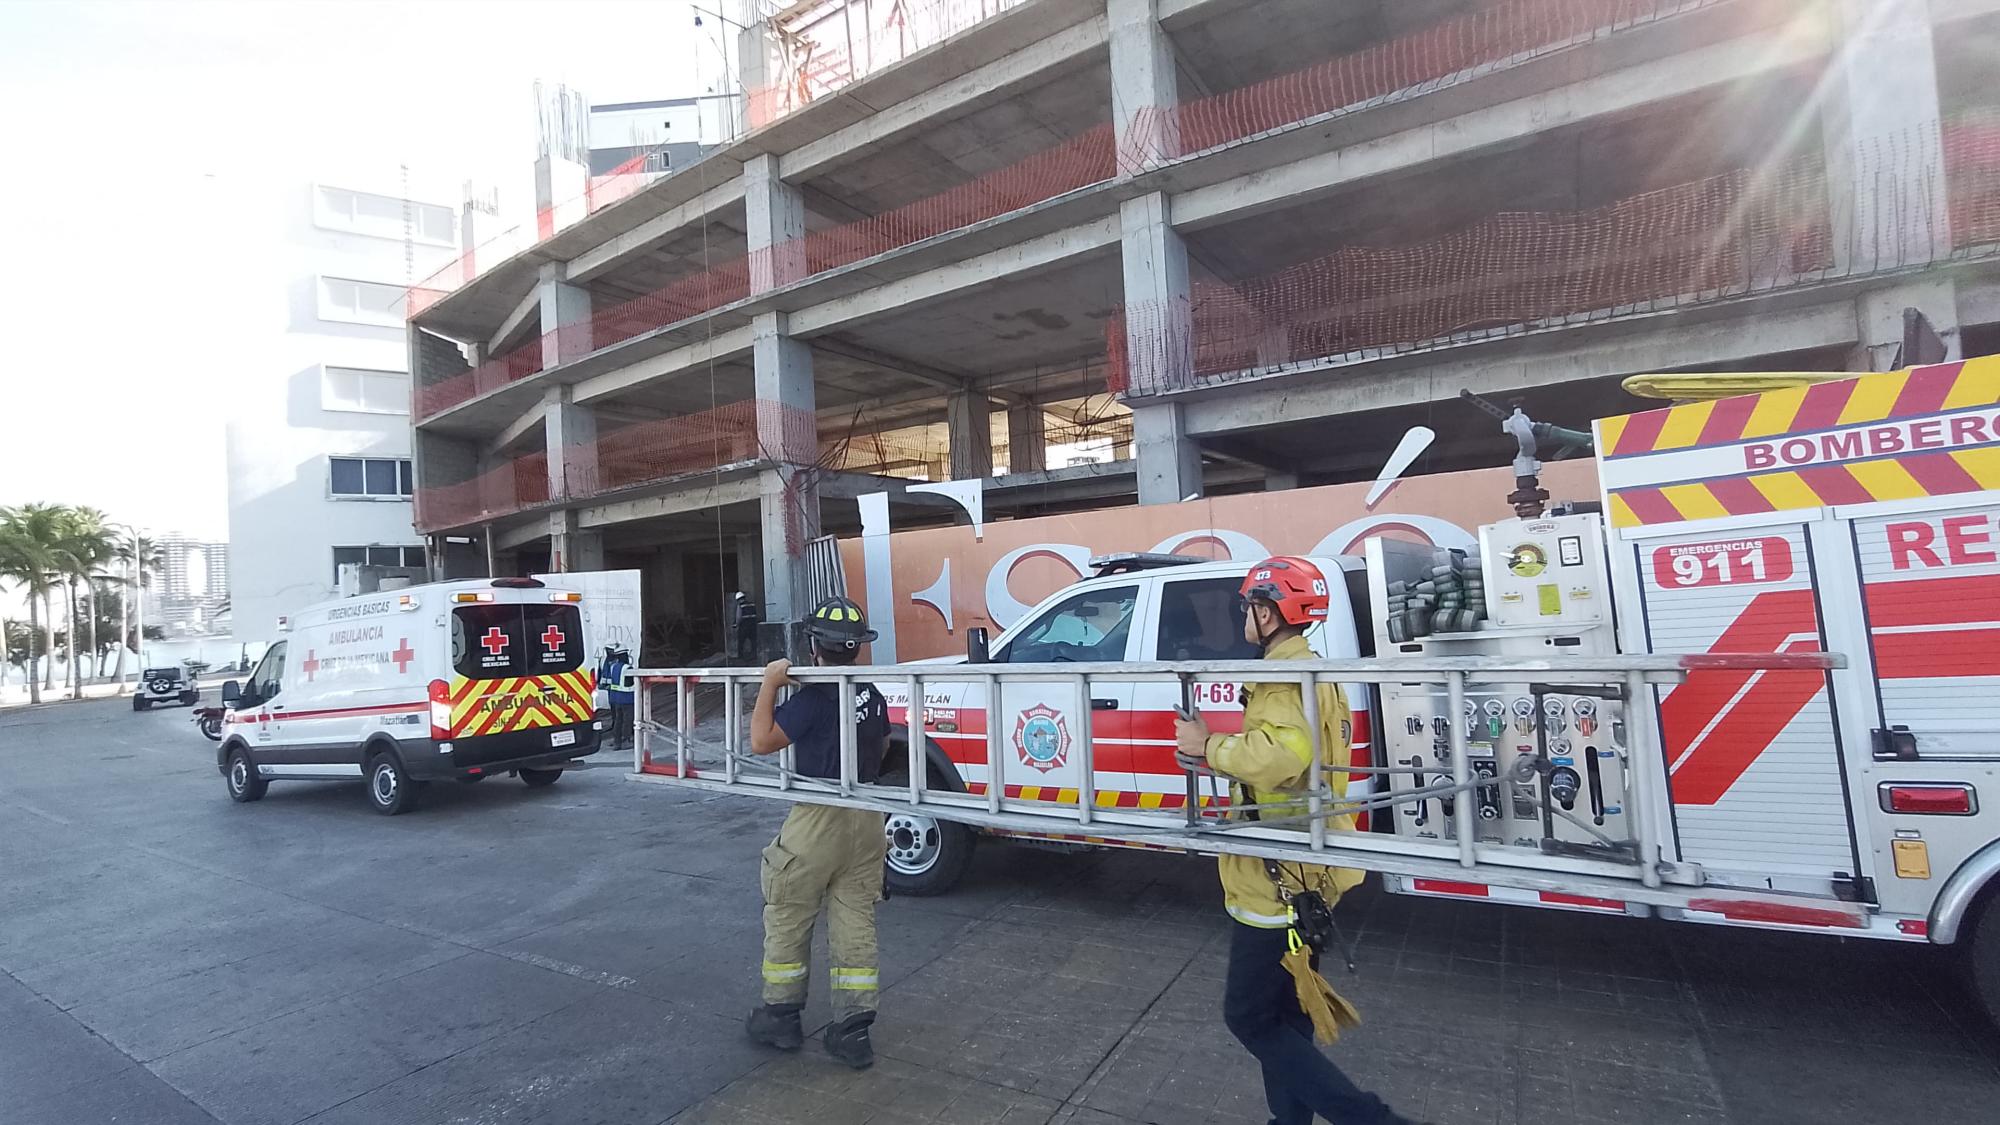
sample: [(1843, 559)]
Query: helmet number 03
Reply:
[(1319, 587)]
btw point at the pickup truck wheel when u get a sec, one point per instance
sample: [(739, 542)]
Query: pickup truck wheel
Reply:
[(390, 790), (925, 856), (538, 779), (244, 783)]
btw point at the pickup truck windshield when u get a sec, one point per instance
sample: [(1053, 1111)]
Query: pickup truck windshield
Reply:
[(1088, 626)]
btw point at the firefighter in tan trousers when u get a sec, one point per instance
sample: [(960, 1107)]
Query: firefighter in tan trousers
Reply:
[(1270, 763), (823, 855)]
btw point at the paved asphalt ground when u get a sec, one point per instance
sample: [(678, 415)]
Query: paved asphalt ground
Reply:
[(585, 954)]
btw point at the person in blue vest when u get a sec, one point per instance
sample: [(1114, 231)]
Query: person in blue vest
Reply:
[(614, 675)]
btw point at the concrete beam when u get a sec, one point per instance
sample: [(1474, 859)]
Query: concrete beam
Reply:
[(514, 538), (936, 377), (1186, 13), (700, 496), (530, 420), (945, 281), (1605, 95), (1979, 301), (608, 256), (982, 86), (528, 309), (1950, 11), (723, 345), (1662, 342)]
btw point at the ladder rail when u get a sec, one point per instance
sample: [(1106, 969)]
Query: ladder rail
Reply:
[(726, 768)]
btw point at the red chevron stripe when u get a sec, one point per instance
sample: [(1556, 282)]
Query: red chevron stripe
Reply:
[(1821, 407), (1727, 419), (1925, 390), (1641, 431)]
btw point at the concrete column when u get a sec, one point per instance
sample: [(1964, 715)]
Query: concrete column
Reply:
[(1027, 439), (570, 433), (1878, 321), (1158, 329), (570, 547), (1880, 126), (760, 66), (787, 433), (1143, 85), (1169, 462), (749, 572), (560, 187), (775, 213), (969, 417), (566, 328)]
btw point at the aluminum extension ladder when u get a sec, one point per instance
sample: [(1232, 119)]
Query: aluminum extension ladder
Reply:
[(713, 755)]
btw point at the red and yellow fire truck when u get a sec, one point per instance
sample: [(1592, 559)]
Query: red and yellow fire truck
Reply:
[(1756, 683)]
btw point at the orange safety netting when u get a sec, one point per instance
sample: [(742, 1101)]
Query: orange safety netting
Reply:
[(1412, 64), (1739, 232), (822, 48)]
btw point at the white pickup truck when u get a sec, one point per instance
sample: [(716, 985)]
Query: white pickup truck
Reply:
[(1135, 608)]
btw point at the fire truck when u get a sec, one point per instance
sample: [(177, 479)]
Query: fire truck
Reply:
[(1756, 684)]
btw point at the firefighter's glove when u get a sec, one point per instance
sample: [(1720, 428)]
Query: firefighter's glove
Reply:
[(1191, 738), (1328, 1010)]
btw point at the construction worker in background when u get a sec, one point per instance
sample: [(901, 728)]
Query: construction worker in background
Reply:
[(614, 674), (1272, 968), (823, 855)]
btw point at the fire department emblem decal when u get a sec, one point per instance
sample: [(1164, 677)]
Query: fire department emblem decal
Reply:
[(1041, 737)]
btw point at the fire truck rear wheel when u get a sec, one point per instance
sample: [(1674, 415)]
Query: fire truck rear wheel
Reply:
[(1982, 955)]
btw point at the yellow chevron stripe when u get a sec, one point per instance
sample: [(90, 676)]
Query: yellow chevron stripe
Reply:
[(1886, 480), (1621, 512), (1873, 398), (1982, 464), (1609, 430), (1774, 412), (1694, 501), (1786, 491), (1683, 425), (1978, 384), (1150, 800)]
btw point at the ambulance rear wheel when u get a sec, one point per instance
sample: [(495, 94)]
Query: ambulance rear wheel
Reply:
[(244, 783), (538, 779), (390, 790)]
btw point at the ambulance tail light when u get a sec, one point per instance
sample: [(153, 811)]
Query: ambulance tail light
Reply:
[(482, 596), (565, 596), (1931, 800), (440, 709)]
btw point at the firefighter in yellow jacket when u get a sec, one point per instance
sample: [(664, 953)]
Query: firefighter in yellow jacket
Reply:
[(1268, 764), (823, 856)]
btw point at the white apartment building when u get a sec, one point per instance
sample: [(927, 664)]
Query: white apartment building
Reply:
[(319, 449)]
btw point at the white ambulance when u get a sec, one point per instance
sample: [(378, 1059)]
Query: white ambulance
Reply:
[(457, 680)]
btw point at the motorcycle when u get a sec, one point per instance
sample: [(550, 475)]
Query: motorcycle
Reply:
[(209, 721)]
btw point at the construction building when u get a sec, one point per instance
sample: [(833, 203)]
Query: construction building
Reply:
[(1228, 244)]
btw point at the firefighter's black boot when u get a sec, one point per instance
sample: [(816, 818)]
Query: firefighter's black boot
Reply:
[(776, 1025), (847, 1041)]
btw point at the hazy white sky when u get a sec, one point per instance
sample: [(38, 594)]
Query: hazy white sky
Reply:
[(145, 142)]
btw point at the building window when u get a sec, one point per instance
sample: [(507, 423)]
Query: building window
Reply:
[(406, 558), (384, 216), (362, 391), (374, 478), (360, 302)]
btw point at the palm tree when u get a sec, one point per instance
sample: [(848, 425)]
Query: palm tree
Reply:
[(30, 557), (85, 546), (142, 558)]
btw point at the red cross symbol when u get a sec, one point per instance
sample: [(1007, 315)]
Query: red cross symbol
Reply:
[(310, 665), (552, 637), (494, 640), (403, 654)]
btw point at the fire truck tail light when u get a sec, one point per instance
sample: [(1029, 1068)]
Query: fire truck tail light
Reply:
[(1931, 800), (440, 709)]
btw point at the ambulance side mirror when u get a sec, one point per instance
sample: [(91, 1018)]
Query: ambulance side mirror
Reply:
[(231, 691), (978, 649)]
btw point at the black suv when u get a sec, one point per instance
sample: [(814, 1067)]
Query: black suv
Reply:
[(164, 685)]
